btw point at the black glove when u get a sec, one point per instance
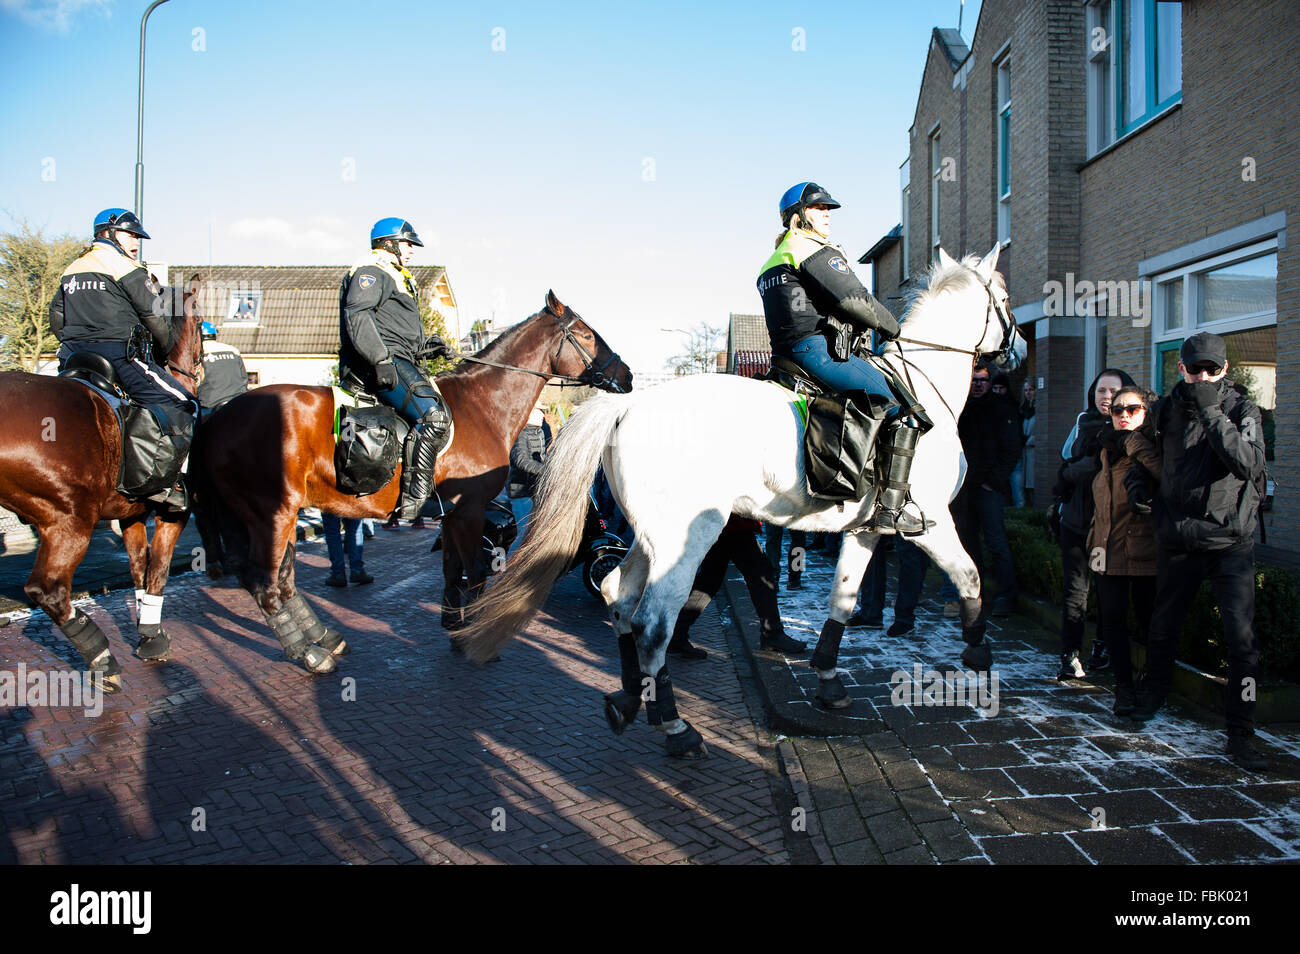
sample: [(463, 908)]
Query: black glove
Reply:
[(386, 376), (1205, 394), (435, 348), (1137, 486)]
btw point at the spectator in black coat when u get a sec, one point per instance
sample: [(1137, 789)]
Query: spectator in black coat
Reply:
[(527, 459), (989, 428), (1211, 440), (1073, 508)]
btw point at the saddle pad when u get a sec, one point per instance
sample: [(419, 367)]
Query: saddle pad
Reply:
[(799, 402), (344, 398)]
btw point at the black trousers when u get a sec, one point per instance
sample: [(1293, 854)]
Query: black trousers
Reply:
[(1231, 572), (1113, 596), (740, 548), (1074, 563)]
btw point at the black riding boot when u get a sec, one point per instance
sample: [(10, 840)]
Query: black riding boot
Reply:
[(893, 491), (417, 475)]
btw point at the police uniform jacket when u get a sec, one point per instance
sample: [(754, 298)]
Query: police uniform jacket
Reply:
[(224, 374), (104, 296), (805, 281), (379, 317)]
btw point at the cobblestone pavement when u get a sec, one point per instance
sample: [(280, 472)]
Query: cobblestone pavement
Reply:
[(228, 753), (1052, 777)]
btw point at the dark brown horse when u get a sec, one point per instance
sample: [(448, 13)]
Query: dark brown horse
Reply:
[(270, 452), (59, 454)]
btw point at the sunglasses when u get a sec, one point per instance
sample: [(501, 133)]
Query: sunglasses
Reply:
[(1211, 369), (1126, 409)]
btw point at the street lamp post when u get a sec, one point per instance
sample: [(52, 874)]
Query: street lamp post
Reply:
[(139, 133)]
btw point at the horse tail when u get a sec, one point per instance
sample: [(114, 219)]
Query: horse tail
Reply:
[(554, 529)]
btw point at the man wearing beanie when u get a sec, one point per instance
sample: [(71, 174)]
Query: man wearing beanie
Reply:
[(1211, 438)]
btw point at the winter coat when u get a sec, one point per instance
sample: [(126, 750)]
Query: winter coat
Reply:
[(1212, 460), (1127, 539), (990, 438), (527, 459), (1080, 463)]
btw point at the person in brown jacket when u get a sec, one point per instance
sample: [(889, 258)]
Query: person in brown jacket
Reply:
[(1121, 541)]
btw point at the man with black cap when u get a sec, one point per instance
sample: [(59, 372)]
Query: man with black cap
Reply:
[(1212, 441)]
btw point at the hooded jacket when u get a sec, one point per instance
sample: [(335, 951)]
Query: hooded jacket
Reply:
[(989, 428), (1081, 459), (1212, 458)]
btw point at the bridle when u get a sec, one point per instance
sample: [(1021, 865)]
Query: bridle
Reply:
[(197, 374), (593, 376), (1006, 321)]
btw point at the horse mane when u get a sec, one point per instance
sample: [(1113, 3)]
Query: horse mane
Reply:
[(506, 340), (940, 278)]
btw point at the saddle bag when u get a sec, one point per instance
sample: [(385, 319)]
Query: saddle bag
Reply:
[(840, 445), (155, 440), (368, 450)]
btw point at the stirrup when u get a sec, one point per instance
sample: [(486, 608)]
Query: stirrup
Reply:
[(898, 521)]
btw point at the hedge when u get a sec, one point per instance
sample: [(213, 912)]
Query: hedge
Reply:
[(1277, 602)]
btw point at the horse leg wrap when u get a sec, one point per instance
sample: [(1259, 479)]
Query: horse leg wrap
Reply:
[(828, 646), (312, 629), (621, 707), (154, 644), (661, 707), (316, 655), (285, 626), (91, 643)]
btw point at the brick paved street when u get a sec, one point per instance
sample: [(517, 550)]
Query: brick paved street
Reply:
[(1053, 777), (432, 751)]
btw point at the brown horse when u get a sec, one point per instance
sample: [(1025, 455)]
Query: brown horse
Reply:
[(60, 450), (270, 452)]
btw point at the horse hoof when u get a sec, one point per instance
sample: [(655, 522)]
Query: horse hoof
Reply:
[(334, 643), (621, 709), (686, 745), (318, 660), (216, 571), (978, 657), (111, 684), (831, 694), (154, 648)]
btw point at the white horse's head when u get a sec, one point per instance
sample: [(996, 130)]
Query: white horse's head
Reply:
[(1000, 338)]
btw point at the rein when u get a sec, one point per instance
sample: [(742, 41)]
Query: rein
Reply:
[(593, 376)]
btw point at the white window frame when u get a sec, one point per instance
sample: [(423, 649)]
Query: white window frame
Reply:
[(1191, 299), (1106, 124), (905, 201), (936, 176), (1003, 186)]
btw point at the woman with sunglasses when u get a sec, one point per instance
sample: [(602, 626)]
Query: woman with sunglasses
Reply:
[(1122, 542)]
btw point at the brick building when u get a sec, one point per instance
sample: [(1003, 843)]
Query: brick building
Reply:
[(1137, 159)]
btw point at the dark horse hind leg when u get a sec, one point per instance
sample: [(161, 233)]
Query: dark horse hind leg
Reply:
[(316, 631), (50, 588), (292, 620)]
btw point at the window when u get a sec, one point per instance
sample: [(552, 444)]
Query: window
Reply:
[(1233, 295), (905, 186), (936, 176), (244, 307), (1134, 52), (1004, 151)]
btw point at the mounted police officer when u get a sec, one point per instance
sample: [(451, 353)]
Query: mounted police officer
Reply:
[(108, 304), (224, 374), (382, 338), (814, 305)]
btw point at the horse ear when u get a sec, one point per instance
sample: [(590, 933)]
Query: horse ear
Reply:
[(554, 304), (946, 260), (989, 262)]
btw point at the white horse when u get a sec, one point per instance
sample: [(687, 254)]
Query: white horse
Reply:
[(682, 457)]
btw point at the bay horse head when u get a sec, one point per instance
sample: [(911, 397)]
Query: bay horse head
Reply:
[(185, 358), (583, 354)]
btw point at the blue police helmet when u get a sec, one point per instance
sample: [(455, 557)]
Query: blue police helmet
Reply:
[(803, 194), (209, 331), (119, 220), (394, 228)]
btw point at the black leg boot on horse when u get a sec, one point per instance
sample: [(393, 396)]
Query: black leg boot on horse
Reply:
[(428, 437), (831, 693), (296, 626), (893, 489), (91, 642), (684, 740), (621, 707)]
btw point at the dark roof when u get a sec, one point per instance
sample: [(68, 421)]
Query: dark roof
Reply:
[(747, 333), (953, 46), (300, 303), (890, 239)]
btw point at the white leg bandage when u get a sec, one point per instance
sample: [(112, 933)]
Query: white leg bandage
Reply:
[(150, 610)]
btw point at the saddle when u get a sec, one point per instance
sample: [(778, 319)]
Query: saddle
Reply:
[(155, 438), (371, 438)]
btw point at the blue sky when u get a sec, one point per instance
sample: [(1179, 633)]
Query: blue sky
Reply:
[(630, 156)]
